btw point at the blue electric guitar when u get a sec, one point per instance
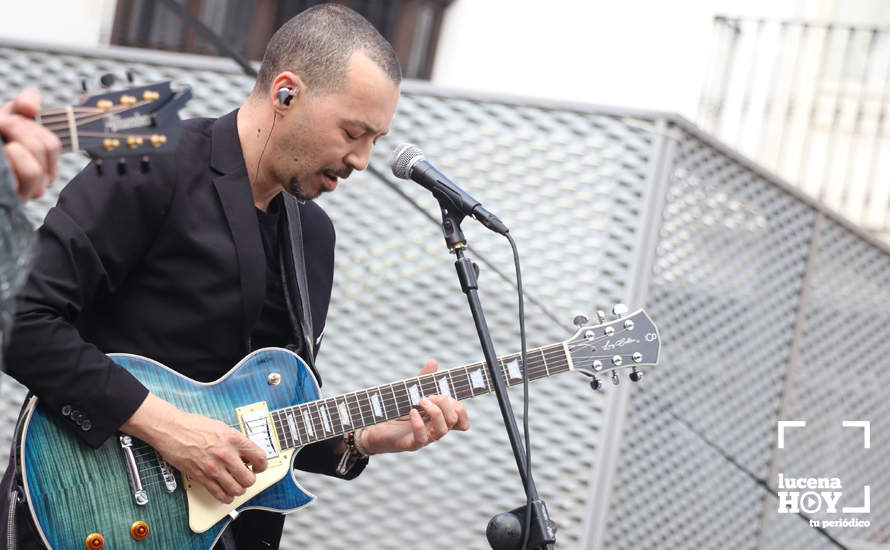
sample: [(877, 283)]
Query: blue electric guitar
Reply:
[(125, 496)]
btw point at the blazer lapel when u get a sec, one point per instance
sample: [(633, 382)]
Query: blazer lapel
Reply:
[(233, 188)]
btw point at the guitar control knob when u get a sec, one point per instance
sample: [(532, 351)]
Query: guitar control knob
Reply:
[(580, 320), (619, 309), (635, 375), (595, 384), (95, 541), (139, 530)]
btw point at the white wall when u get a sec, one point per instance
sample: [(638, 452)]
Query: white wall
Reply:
[(647, 54), (70, 22)]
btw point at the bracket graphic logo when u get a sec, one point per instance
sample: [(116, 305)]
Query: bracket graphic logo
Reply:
[(813, 495)]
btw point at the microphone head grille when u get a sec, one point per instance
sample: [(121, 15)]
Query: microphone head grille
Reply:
[(403, 158)]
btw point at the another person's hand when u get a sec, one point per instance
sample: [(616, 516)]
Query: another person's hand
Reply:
[(442, 414), (205, 449), (31, 150)]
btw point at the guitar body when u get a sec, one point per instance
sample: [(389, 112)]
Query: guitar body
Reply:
[(74, 490)]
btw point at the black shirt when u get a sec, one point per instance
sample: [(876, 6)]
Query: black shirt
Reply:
[(274, 327)]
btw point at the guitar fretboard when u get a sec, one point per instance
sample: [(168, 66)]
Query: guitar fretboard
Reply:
[(307, 423)]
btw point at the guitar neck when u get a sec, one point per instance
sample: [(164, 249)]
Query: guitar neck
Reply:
[(315, 421)]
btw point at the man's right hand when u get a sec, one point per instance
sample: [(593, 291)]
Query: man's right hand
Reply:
[(207, 450)]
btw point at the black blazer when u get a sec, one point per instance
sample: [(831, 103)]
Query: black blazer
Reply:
[(168, 264)]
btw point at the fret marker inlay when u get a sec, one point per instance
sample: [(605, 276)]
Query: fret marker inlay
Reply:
[(308, 422), (414, 392), (293, 427), (324, 418), (514, 370), (375, 403), (444, 389), (344, 414), (476, 379)]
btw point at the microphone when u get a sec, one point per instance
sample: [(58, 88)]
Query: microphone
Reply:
[(407, 162)]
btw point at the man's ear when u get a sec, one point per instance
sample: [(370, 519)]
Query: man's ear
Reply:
[(284, 89)]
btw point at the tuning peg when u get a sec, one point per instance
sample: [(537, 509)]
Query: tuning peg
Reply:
[(98, 165), (601, 315), (595, 384), (615, 379), (635, 375), (83, 85), (144, 165), (619, 309), (107, 80), (130, 75), (580, 320), (122, 167)]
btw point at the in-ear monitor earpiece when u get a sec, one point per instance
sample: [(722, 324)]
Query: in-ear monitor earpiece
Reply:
[(285, 95)]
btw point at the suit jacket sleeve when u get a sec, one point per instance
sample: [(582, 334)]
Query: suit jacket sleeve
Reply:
[(88, 244)]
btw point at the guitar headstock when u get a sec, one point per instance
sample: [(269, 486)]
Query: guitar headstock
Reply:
[(628, 342), (138, 121)]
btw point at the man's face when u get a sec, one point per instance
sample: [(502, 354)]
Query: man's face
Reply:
[(323, 139)]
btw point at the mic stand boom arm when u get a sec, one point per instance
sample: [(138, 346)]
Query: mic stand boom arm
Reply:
[(542, 534)]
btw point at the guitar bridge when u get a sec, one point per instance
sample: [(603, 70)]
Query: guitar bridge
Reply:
[(139, 494), (166, 473)]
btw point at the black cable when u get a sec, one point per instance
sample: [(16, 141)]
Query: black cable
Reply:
[(526, 526)]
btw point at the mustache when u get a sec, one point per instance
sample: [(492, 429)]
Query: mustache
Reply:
[(341, 173)]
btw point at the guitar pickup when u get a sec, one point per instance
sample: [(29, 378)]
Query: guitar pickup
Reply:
[(255, 424), (139, 494)]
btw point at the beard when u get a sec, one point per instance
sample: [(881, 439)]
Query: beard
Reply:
[(297, 190)]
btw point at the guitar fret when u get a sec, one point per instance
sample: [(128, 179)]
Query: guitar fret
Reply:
[(364, 403), (294, 434), (344, 413), (478, 380), (443, 384), (389, 401), (428, 385), (306, 416), (297, 413), (355, 413), (314, 417), (512, 370), (546, 368), (461, 386), (400, 390), (413, 392), (556, 359), (279, 430), (377, 405), (325, 418), (334, 412)]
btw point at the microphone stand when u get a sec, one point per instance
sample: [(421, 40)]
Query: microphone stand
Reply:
[(505, 530)]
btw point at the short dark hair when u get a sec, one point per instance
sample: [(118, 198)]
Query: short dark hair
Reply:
[(317, 45)]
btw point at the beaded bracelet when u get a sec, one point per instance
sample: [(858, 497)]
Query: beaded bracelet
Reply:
[(353, 453)]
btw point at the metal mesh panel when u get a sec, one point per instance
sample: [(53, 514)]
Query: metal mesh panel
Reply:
[(568, 182), (843, 376), (727, 275), (568, 230), (726, 279)]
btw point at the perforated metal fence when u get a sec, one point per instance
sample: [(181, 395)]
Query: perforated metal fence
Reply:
[(769, 307)]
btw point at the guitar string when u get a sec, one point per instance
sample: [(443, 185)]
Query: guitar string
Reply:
[(365, 407), (464, 385), (82, 118), (312, 409)]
